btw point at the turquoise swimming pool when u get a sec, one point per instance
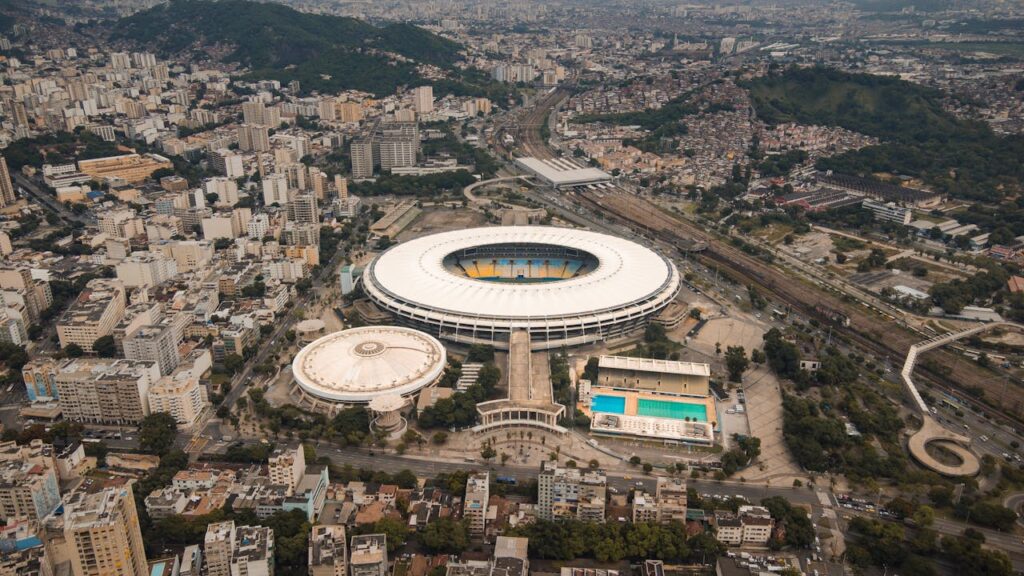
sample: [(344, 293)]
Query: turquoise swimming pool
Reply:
[(676, 410), (608, 404)]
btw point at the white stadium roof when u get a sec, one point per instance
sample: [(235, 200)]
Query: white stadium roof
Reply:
[(560, 172), (360, 364), (627, 272)]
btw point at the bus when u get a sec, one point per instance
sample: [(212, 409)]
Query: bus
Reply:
[(505, 480)]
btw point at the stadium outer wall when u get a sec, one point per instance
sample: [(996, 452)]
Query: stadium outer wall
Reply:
[(546, 332)]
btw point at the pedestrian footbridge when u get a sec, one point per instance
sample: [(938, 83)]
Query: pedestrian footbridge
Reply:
[(931, 431)]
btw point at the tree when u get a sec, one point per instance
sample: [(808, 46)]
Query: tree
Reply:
[(105, 347), (157, 432), (445, 536), (480, 353), (394, 529), (757, 356), (439, 438), (73, 350), (924, 516), (736, 362), (488, 453), (233, 362)]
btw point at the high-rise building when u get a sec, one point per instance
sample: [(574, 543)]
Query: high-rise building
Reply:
[(239, 550), (94, 314), (362, 159), (226, 162), (347, 280), (671, 498), (303, 209), (341, 186), (253, 138), (423, 99), (571, 493), (225, 188), (154, 344), (275, 190), (327, 108), (105, 391), (474, 507), (350, 112), (146, 270), (181, 395), (254, 551), (102, 533), (217, 547), (328, 551), (6, 186), (27, 489), (318, 183), (397, 145), (287, 466), (368, 555)]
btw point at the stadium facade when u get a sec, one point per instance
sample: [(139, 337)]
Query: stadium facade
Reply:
[(566, 287)]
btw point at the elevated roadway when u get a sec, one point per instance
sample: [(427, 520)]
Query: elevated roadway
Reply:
[(931, 432)]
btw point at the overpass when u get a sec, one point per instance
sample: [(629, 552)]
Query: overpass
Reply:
[(931, 431)]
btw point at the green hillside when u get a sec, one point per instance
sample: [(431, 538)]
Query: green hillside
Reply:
[(963, 158), (880, 106), (275, 41)]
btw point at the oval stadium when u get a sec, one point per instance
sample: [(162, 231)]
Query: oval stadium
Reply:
[(357, 365), (566, 287)]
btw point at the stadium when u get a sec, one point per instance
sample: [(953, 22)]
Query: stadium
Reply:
[(360, 365), (566, 287)]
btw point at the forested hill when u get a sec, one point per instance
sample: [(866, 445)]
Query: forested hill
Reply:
[(960, 157), (274, 41)]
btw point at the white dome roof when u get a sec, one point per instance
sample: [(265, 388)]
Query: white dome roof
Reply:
[(360, 364)]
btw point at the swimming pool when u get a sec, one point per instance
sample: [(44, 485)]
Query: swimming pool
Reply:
[(676, 410), (608, 404)]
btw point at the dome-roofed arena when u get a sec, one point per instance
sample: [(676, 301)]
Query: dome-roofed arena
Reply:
[(356, 366), (567, 287)]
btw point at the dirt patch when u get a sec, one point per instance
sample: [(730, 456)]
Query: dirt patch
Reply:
[(434, 220)]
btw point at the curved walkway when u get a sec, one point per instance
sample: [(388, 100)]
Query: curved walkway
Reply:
[(468, 190), (931, 431)]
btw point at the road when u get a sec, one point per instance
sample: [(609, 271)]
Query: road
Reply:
[(43, 197), (622, 482)]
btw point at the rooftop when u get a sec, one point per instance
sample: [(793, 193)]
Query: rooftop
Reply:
[(360, 364), (654, 365)]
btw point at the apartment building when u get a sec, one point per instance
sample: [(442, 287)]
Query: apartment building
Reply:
[(253, 138), (93, 314), (181, 395), (671, 499), (218, 545), (474, 507), (286, 466), (40, 378), (102, 532), (253, 554), (28, 488), (328, 551), (303, 208), (105, 391), (146, 270), (7, 196), (154, 343), (361, 153), (368, 555), (571, 493), (751, 525)]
